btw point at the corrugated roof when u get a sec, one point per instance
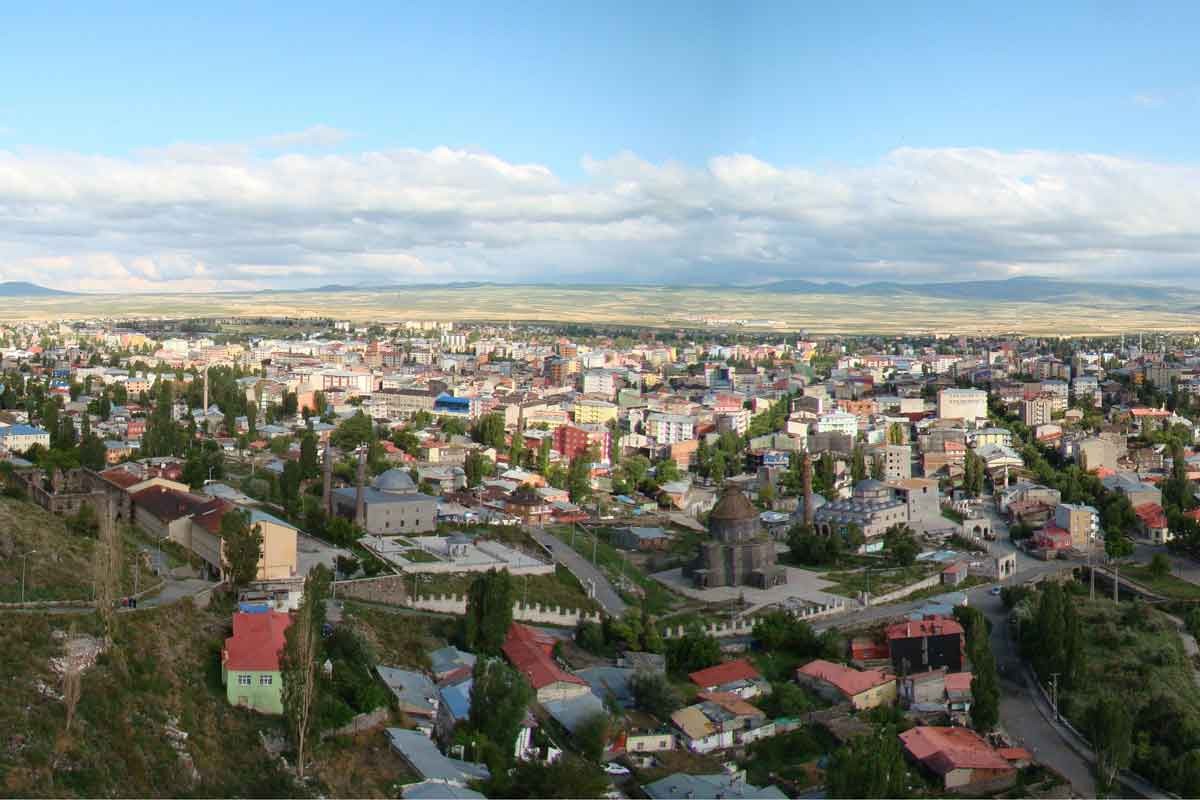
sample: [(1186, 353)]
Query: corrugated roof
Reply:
[(256, 642)]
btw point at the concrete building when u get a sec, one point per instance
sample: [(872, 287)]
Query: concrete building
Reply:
[(1037, 410), (670, 428), (873, 508), (838, 422), (969, 405), (1081, 521)]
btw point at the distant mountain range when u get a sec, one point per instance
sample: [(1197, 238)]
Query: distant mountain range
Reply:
[(27, 289), (1020, 290)]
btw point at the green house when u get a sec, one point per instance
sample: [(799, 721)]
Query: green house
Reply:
[(250, 661)]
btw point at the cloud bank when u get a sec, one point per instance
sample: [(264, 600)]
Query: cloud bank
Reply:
[(282, 213)]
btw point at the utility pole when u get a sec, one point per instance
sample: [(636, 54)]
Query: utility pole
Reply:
[(595, 541), (1054, 694), (23, 557)]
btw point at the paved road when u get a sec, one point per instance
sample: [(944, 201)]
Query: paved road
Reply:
[(582, 569), (1020, 714)]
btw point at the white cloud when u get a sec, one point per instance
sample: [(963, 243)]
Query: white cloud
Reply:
[(199, 217), (1149, 100)]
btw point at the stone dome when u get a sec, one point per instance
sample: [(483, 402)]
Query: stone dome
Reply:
[(396, 481), (733, 518)]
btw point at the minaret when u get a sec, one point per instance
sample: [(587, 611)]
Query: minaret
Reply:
[(806, 466), (360, 507), (327, 485), (206, 389)]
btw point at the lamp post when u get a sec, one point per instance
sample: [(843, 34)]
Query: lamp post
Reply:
[(23, 557)]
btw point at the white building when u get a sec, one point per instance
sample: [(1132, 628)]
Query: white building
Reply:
[(838, 422), (19, 438), (969, 405), (599, 381), (670, 428)]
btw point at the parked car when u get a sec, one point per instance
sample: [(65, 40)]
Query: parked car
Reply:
[(613, 768)]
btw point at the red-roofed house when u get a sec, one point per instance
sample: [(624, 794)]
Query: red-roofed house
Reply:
[(1052, 537), (863, 688), (960, 757), (529, 651), (1152, 521), (250, 661), (737, 677)]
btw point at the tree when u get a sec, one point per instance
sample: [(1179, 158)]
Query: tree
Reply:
[(489, 431), (310, 465), (92, 452), (500, 698), (1109, 725), (900, 543), (716, 468), (895, 433), (766, 495), (354, 431), (298, 663), (579, 476), (453, 426), (653, 693), (869, 766), (568, 776), (858, 464), (1117, 546), (543, 456), (693, 651), (489, 611), (1160, 566), (243, 547), (591, 735), (666, 471), (477, 466)]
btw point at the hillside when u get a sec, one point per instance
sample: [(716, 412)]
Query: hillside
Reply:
[(26, 289), (60, 566), (166, 674)]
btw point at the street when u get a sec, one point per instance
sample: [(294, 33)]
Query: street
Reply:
[(582, 569)]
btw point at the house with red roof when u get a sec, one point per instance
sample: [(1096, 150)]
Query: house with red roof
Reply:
[(736, 677), (961, 758), (1052, 538), (250, 661), (1152, 522), (867, 688), (531, 653)]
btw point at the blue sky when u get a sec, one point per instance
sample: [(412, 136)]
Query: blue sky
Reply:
[(827, 91), (791, 83)]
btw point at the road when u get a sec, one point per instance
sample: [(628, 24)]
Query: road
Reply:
[(582, 569)]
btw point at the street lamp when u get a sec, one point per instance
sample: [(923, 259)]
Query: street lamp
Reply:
[(23, 557)]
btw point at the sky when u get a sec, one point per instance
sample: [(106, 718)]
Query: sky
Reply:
[(150, 148)]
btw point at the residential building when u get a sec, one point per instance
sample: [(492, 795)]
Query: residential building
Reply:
[(591, 411), (921, 645), (1152, 522), (431, 766), (959, 757), (1082, 522), (734, 677), (684, 786), (531, 653), (250, 661), (969, 405), (838, 422), (863, 689), (572, 440), (19, 438), (1037, 410), (670, 428)]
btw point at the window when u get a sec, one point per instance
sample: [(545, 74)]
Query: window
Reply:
[(265, 680), (243, 680)]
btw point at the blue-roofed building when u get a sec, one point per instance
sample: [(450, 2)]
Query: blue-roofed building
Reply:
[(572, 712), (610, 682), (433, 790), (449, 404), (415, 693), (429, 764), (449, 659), (635, 538), (454, 706), (19, 438)]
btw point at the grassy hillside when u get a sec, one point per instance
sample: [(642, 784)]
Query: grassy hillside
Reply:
[(165, 670), (62, 566)]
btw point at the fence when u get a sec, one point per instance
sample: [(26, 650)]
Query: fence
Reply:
[(744, 626), (904, 591), (366, 721)]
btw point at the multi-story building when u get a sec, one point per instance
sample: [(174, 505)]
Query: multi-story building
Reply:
[(838, 422), (1081, 521), (969, 405), (19, 438), (600, 381), (1038, 410), (594, 411), (670, 428), (572, 440), (1085, 388)]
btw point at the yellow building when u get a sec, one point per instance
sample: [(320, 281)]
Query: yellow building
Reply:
[(278, 560), (864, 689), (594, 411)]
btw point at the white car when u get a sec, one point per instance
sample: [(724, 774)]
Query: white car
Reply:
[(995, 590), (613, 768)]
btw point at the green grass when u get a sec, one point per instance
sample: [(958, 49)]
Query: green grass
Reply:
[(1168, 586), (418, 556), (560, 589), (952, 515), (788, 757), (658, 598), (878, 581), (60, 566)]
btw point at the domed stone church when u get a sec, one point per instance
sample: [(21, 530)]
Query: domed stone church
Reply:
[(739, 553)]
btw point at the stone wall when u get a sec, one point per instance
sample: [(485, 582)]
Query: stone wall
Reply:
[(391, 590), (745, 625), (905, 591), (366, 721)]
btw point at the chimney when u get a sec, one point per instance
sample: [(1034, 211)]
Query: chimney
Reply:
[(806, 467), (327, 486), (360, 508)]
